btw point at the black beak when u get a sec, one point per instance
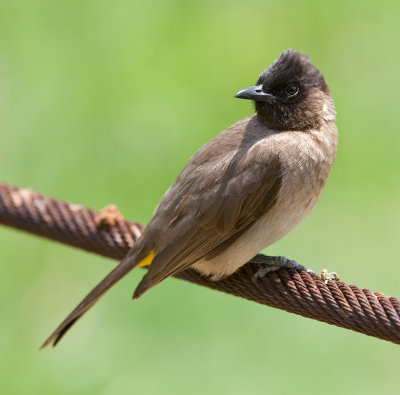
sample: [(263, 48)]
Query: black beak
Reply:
[(255, 93)]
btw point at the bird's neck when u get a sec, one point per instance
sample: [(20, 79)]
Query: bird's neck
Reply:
[(328, 110)]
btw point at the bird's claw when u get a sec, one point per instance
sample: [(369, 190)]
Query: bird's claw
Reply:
[(269, 264)]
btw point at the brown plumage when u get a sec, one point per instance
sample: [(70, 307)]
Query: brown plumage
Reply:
[(244, 189)]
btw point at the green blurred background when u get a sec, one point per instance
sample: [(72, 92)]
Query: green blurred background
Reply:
[(104, 102)]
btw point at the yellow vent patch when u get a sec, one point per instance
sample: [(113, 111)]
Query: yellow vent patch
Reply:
[(146, 261)]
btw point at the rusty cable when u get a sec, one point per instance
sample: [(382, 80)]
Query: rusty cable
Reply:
[(299, 292)]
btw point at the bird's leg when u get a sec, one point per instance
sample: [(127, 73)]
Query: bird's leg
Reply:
[(268, 264)]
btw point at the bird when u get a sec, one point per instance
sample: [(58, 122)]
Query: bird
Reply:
[(243, 190)]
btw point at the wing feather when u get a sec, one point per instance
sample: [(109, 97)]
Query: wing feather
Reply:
[(212, 213)]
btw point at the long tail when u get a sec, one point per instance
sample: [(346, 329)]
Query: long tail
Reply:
[(124, 267)]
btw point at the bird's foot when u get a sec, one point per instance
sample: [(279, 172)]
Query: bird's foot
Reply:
[(268, 264), (326, 276)]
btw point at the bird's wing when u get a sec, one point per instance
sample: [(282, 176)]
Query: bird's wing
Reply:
[(209, 207)]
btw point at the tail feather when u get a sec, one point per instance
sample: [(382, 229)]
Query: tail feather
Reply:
[(141, 289), (124, 267)]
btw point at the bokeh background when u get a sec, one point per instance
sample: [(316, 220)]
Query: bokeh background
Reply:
[(104, 102)]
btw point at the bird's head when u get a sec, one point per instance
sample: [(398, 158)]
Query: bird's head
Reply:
[(291, 94)]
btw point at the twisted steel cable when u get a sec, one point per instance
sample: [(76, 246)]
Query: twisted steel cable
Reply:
[(296, 291)]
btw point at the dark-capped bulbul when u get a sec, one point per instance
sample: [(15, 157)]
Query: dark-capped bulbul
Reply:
[(244, 189)]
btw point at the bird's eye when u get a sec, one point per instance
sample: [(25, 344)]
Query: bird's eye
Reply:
[(292, 89)]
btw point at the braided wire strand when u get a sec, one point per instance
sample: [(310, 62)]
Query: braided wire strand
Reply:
[(298, 292)]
